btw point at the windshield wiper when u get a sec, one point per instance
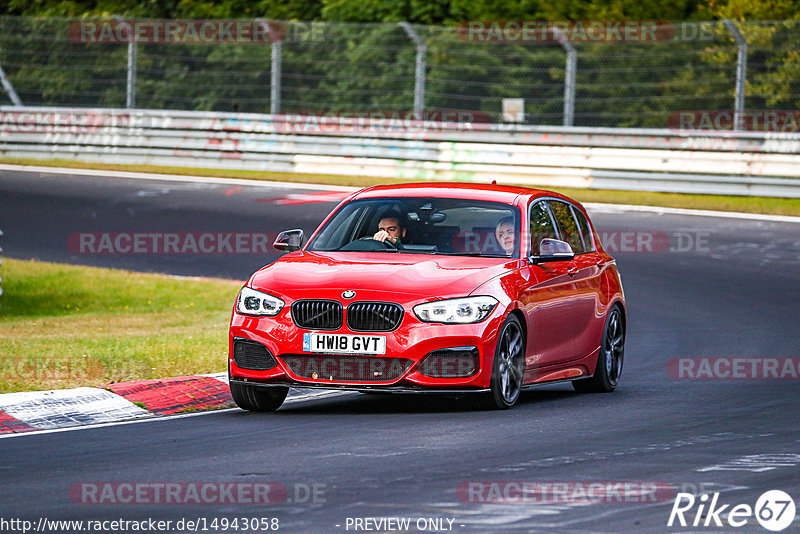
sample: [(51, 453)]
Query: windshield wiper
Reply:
[(474, 254)]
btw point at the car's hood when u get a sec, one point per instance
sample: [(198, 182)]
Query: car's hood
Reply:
[(377, 275)]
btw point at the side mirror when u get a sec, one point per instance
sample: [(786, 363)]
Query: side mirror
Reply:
[(552, 250), (289, 240)]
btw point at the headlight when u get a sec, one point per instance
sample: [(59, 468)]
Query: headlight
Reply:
[(252, 302), (465, 310)]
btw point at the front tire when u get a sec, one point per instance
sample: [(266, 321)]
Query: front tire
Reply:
[(258, 398), (508, 367), (609, 361)]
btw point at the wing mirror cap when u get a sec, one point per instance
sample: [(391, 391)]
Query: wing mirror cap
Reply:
[(289, 240), (552, 250)]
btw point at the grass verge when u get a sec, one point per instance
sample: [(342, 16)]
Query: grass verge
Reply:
[(66, 326), (767, 205)]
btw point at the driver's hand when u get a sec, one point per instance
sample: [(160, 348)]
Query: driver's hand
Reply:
[(383, 235)]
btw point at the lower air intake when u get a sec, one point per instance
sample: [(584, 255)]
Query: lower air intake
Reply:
[(252, 355), (347, 368), (459, 362)]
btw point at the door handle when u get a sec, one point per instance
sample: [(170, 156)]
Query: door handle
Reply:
[(572, 271)]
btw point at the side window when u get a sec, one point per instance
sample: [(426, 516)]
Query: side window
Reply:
[(541, 226), (567, 227), (334, 236), (586, 232)]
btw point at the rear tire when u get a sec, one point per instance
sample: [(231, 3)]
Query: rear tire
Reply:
[(609, 362), (258, 398), (508, 367)]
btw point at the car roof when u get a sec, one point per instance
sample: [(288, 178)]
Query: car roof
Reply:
[(475, 191)]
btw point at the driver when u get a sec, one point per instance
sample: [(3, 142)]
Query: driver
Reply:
[(391, 229)]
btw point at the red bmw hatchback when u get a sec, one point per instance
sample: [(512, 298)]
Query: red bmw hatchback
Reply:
[(446, 288)]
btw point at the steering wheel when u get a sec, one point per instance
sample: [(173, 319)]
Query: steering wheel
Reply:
[(386, 243)]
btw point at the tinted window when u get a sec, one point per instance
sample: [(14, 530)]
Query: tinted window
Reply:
[(567, 227), (541, 226), (583, 224)]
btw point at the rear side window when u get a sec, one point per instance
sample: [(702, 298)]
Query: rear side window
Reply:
[(541, 226), (567, 226), (583, 224)]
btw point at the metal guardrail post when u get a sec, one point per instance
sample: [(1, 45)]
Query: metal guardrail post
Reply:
[(741, 73), (275, 78), (419, 75), (130, 99), (130, 93), (275, 69), (12, 94), (569, 76)]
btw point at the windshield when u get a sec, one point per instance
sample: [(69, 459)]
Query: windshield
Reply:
[(423, 226)]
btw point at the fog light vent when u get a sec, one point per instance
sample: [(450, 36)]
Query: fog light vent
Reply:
[(252, 355), (458, 362)]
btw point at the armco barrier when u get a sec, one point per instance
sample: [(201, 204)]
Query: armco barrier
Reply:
[(737, 163)]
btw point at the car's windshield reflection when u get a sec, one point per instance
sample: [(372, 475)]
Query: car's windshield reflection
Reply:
[(453, 227)]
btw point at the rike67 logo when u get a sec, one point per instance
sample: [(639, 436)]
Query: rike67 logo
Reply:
[(774, 510)]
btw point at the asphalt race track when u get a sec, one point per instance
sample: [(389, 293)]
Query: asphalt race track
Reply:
[(721, 288)]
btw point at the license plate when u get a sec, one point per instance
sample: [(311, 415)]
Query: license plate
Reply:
[(344, 344)]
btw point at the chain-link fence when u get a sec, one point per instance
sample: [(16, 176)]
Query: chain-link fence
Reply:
[(563, 78)]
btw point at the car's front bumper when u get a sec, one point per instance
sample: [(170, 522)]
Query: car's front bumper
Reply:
[(365, 388), (412, 342)]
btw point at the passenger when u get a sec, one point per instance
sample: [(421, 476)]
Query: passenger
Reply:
[(504, 232)]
